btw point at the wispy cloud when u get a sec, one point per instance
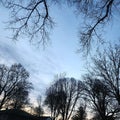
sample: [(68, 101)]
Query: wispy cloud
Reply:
[(42, 66)]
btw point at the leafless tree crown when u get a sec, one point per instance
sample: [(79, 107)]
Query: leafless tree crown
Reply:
[(32, 18)]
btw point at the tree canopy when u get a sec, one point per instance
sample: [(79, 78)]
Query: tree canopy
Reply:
[(14, 86), (32, 18), (102, 89), (63, 96)]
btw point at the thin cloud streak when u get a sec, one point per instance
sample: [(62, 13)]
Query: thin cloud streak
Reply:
[(41, 66)]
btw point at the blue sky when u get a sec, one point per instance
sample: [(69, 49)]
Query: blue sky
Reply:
[(60, 54), (43, 64)]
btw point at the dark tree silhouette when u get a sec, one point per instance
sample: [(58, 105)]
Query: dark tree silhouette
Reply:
[(97, 14), (32, 17), (14, 87), (51, 101), (98, 94), (39, 110), (62, 97), (80, 114), (107, 66), (21, 96)]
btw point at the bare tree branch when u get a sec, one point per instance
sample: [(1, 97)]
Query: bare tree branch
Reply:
[(30, 18)]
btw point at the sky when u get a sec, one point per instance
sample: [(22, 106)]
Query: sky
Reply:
[(43, 64), (58, 57)]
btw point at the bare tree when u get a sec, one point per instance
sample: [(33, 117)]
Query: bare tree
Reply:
[(96, 15), (63, 95), (32, 18), (107, 66), (98, 95), (14, 87), (39, 110), (20, 96), (51, 102), (80, 114), (102, 83)]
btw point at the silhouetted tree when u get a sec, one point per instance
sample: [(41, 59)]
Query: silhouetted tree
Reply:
[(14, 87), (51, 102), (39, 110), (33, 18), (80, 114), (21, 96), (96, 15), (107, 67), (99, 96), (62, 97)]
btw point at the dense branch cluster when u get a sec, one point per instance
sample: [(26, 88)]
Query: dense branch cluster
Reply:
[(98, 13), (103, 84), (32, 18), (99, 90), (14, 87), (63, 96)]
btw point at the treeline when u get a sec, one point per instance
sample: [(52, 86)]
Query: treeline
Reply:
[(98, 91), (68, 98), (15, 88)]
